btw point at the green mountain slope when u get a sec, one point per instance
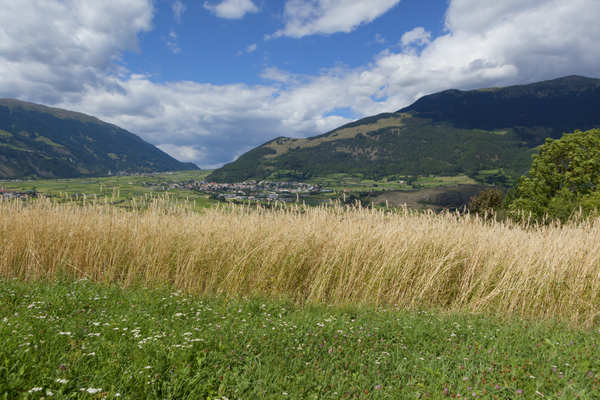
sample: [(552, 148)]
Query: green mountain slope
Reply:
[(39, 141), (453, 132)]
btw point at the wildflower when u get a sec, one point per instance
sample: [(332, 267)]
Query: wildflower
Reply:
[(63, 381), (91, 390), (519, 391), (65, 333), (35, 389)]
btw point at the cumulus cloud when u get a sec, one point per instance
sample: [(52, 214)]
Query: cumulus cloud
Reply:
[(50, 49), (309, 17), (71, 63), (418, 36), (182, 153), (232, 9)]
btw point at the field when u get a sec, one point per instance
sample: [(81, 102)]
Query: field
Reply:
[(332, 255), (435, 197), (82, 340), (358, 183), (118, 190), (159, 300)]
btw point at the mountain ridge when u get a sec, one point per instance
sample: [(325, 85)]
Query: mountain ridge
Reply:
[(478, 132), (37, 141)]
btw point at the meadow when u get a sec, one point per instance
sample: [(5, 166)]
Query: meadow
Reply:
[(78, 339), (158, 300)]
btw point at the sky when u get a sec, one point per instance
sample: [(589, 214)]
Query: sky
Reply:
[(207, 80)]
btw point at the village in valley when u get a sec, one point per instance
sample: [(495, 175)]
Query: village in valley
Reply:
[(248, 190), (12, 194)]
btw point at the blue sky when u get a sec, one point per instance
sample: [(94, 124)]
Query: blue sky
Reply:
[(207, 80), (197, 45)]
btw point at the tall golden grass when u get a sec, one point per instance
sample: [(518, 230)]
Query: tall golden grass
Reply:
[(329, 254)]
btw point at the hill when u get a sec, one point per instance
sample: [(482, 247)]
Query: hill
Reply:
[(487, 134), (39, 141)]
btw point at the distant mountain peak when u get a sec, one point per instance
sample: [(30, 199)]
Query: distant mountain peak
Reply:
[(473, 132), (41, 141), (57, 112)]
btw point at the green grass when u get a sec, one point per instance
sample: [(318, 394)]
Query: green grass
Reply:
[(439, 181), (71, 337), (119, 189), (357, 183)]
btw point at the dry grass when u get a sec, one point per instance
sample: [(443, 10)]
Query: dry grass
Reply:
[(284, 145), (331, 255)]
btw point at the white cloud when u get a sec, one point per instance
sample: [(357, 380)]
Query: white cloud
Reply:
[(172, 43), (71, 63), (418, 36), (251, 48), (182, 153), (50, 49), (309, 17), (178, 9), (232, 9)]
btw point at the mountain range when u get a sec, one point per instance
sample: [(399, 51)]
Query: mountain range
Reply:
[(488, 134), (42, 142)]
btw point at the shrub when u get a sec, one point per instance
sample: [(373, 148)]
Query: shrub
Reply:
[(486, 201)]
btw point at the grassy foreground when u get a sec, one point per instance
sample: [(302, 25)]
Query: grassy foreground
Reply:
[(315, 255), (71, 340)]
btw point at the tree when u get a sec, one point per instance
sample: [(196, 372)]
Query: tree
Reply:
[(564, 177), (486, 201)]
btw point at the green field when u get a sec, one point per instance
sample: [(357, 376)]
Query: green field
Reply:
[(358, 183), (120, 190), (117, 189), (84, 340)]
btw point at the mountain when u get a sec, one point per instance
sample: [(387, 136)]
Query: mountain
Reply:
[(39, 141), (488, 134)]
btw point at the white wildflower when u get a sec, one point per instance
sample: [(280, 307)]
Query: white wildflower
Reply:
[(91, 390)]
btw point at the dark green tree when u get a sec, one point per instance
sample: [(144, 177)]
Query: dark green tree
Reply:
[(564, 178)]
